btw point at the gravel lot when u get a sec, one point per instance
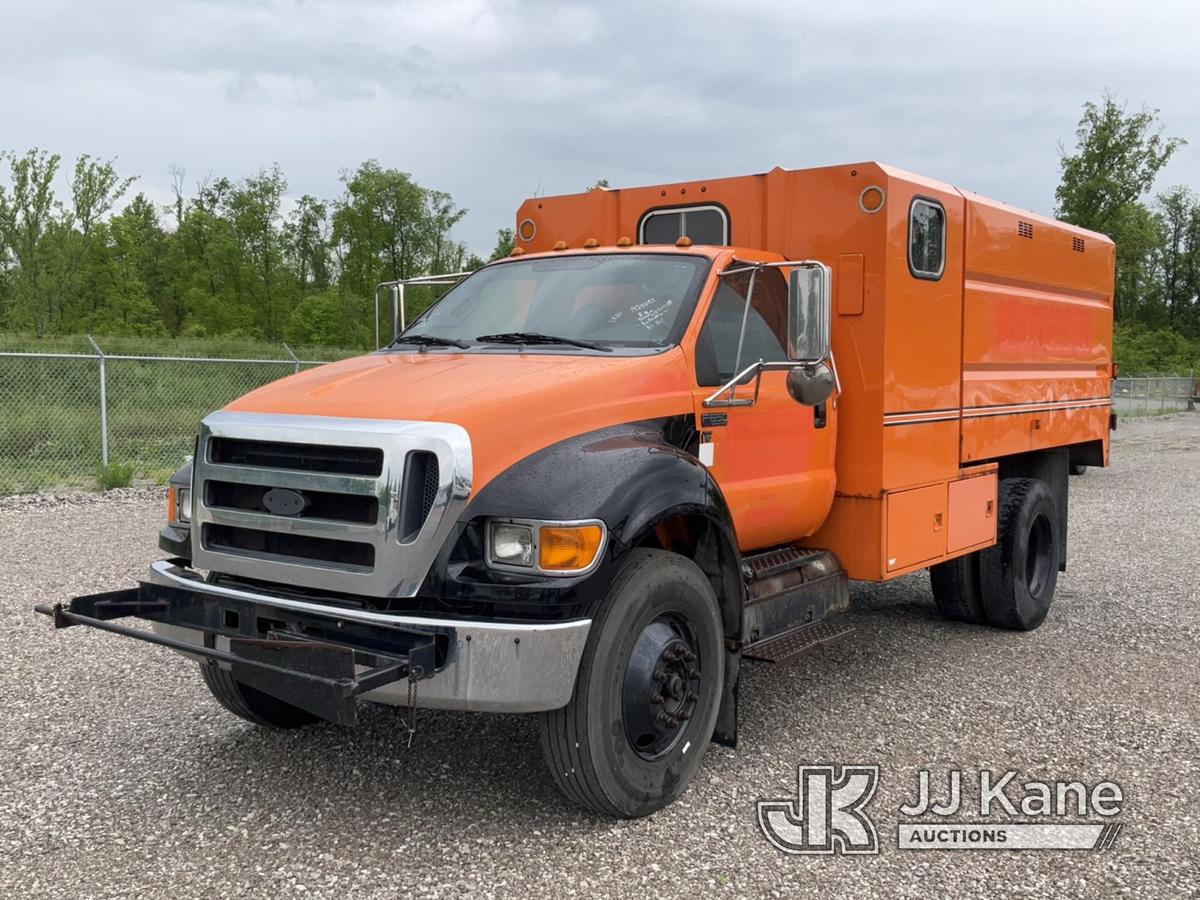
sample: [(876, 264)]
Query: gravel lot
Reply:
[(119, 775)]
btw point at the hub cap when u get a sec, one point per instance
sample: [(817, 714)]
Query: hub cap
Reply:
[(661, 687)]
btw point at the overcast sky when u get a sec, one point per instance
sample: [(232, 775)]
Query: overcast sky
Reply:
[(495, 102)]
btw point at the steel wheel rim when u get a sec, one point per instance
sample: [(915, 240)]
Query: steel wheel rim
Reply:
[(1038, 555), (661, 685)]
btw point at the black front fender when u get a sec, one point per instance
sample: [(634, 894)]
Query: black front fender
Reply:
[(632, 477)]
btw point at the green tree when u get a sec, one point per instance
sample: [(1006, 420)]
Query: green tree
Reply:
[(1117, 157), (54, 243), (378, 227), (307, 236), (253, 209), (129, 274), (387, 227), (505, 241), (332, 318), (1178, 211), (26, 213)]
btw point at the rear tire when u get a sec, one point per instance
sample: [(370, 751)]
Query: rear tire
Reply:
[(1019, 573), (956, 589), (1077, 468), (252, 704), (647, 693)]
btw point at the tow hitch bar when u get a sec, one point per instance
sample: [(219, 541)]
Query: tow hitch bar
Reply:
[(294, 659)]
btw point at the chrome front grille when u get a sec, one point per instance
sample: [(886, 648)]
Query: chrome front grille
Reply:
[(357, 506)]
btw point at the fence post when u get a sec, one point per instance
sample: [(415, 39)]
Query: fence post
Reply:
[(295, 358), (103, 403)]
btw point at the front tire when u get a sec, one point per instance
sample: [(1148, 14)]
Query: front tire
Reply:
[(250, 703), (647, 693)]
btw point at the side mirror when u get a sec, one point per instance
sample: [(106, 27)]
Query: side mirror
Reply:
[(810, 383), (810, 289)]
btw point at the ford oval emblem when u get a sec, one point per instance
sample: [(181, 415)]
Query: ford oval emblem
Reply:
[(283, 502)]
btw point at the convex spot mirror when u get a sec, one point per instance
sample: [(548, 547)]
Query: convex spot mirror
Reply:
[(810, 383)]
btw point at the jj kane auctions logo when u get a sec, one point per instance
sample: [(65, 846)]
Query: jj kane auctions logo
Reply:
[(829, 813)]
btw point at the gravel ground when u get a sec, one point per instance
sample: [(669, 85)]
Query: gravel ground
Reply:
[(120, 776)]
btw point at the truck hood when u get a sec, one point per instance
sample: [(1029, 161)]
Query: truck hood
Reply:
[(511, 404)]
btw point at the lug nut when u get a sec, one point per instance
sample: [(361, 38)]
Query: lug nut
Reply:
[(660, 675), (693, 672), (692, 696), (690, 656), (656, 699)]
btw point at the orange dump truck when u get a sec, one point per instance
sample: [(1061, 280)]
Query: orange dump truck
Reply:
[(658, 439)]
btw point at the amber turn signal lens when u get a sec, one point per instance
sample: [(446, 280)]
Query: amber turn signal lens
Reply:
[(568, 547), (172, 505)]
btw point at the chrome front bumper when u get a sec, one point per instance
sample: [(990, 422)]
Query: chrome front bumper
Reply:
[(489, 667)]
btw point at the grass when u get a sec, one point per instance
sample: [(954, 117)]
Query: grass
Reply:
[(115, 475), (1144, 413)]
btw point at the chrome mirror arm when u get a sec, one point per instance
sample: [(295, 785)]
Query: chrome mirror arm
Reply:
[(756, 368), (731, 386)]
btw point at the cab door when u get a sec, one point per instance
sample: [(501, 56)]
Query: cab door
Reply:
[(774, 459)]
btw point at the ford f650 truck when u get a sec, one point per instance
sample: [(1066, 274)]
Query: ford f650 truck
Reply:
[(658, 439)]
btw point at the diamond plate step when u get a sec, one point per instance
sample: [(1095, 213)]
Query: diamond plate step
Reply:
[(789, 646), (773, 562)]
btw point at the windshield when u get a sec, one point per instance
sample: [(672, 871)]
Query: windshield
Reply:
[(618, 300)]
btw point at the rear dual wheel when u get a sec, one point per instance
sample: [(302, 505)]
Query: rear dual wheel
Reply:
[(1010, 584), (647, 693)]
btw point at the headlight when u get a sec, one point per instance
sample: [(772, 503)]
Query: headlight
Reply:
[(179, 505), (547, 548), (511, 544)]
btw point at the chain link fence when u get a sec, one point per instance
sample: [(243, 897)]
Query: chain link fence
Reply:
[(64, 415), (1154, 394)]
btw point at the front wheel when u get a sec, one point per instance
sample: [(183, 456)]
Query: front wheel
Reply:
[(647, 694), (250, 703)]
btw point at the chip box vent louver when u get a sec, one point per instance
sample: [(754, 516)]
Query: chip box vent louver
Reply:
[(1025, 229), (1077, 244)]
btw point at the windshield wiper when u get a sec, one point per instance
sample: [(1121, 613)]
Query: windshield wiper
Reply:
[(535, 337), (429, 340)]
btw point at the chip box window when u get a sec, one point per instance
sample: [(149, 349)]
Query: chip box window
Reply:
[(701, 224), (926, 239)]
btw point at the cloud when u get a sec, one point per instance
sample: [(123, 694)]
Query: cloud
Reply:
[(494, 101)]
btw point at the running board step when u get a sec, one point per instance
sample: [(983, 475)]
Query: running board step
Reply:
[(791, 589), (788, 647), (776, 562)]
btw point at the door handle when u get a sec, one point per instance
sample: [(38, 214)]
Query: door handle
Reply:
[(819, 415)]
